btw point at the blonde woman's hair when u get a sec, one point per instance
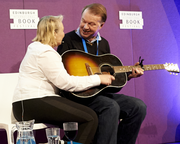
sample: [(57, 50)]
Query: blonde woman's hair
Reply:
[(46, 28)]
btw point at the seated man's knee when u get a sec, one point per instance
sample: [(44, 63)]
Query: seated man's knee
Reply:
[(141, 108), (114, 108)]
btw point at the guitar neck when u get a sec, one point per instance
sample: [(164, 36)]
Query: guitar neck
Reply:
[(121, 69)]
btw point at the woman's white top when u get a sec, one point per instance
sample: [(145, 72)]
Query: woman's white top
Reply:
[(42, 73)]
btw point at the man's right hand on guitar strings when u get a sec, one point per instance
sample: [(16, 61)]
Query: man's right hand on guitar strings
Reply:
[(106, 79)]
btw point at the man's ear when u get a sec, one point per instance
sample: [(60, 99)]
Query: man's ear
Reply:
[(102, 24)]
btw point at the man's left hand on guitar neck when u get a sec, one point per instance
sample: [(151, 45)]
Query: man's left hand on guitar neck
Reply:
[(136, 72)]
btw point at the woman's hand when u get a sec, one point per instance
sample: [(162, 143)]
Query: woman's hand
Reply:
[(106, 79)]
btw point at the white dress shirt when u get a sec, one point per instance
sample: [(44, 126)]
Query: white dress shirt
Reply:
[(42, 72)]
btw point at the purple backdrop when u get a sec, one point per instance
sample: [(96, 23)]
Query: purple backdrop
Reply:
[(158, 42)]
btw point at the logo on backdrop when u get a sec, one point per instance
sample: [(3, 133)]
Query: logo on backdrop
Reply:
[(131, 20), (24, 19)]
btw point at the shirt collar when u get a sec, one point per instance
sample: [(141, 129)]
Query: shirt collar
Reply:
[(98, 37)]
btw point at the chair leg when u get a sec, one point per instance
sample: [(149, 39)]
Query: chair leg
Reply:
[(9, 136)]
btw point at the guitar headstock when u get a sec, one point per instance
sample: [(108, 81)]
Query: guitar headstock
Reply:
[(172, 68)]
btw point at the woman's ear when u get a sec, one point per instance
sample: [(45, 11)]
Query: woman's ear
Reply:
[(55, 35)]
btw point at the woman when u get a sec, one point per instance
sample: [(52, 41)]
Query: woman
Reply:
[(42, 74)]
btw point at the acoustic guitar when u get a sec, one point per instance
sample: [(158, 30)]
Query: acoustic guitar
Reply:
[(79, 63)]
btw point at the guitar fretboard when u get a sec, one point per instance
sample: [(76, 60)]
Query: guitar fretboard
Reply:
[(121, 69)]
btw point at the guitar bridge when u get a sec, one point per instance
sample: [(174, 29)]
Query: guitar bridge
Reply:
[(88, 68)]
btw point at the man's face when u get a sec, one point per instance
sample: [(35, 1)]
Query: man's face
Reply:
[(90, 25)]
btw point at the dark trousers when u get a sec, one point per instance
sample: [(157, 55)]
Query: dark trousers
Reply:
[(56, 110), (112, 107)]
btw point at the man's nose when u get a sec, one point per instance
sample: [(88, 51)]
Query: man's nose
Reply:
[(86, 26)]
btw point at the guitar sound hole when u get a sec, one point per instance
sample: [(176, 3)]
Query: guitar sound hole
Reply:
[(107, 69)]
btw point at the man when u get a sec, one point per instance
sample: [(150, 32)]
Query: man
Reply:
[(109, 107)]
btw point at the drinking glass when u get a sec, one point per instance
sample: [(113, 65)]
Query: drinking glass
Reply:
[(53, 135), (70, 130)]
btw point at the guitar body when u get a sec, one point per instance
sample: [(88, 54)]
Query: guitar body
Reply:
[(75, 63)]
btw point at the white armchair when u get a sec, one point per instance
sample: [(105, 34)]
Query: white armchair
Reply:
[(8, 82)]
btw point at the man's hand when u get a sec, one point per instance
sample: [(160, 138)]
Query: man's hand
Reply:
[(106, 79), (136, 72)]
